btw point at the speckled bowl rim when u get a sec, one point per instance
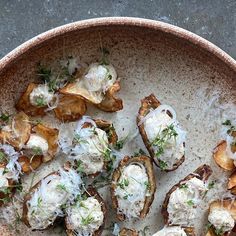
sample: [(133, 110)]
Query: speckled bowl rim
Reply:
[(178, 32)]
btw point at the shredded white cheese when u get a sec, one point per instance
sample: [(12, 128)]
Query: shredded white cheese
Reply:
[(13, 167), (47, 201), (40, 96)]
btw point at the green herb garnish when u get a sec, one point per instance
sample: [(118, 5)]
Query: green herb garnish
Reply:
[(162, 138), (40, 102), (79, 140), (61, 187), (219, 231), (211, 185), (37, 151), (183, 186), (123, 183), (140, 152), (127, 195), (190, 202), (4, 117), (2, 157), (88, 220), (163, 165), (80, 167), (148, 185)]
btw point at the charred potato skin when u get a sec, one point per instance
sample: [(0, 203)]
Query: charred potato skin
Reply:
[(21, 125), (24, 104), (91, 192), (146, 104), (232, 183), (111, 103), (70, 108), (28, 197), (147, 163), (128, 232), (220, 157), (203, 173)]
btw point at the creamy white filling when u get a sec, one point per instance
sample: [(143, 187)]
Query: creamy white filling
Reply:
[(171, 231), (221, 219), (183, 202), (37, 142), (54, 191), (154, 124), (86, 216), (91, 144), (131, 190), (97, 80), (3, 179), (40, 96)]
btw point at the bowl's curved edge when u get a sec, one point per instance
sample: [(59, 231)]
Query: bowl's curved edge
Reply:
[(128, 21)]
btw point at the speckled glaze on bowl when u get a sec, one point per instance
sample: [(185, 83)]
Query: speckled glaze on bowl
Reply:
[(180, 68)]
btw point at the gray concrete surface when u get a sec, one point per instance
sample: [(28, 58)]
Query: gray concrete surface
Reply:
[(214, 20)]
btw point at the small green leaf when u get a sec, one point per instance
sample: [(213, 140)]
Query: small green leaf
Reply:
[(227, 122), (5, 117), (40, 102), (183, 186), (163, 165), (190, 202)]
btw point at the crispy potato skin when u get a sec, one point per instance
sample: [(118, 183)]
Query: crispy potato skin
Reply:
[(21, 133), (232, 183), (220, 157), (111, 103), (28, 197), (128, 232), (108, 128), (147, 163), (27, 166), (24, 103), (51, 135), (146, 104), (203, 172), (90, 192), (70, 108)]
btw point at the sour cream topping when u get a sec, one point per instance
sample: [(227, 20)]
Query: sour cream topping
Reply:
[(131, 190), (171, 231), (41, 96), (86, 216), (183, 202), (36, 141), (221, 219)]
